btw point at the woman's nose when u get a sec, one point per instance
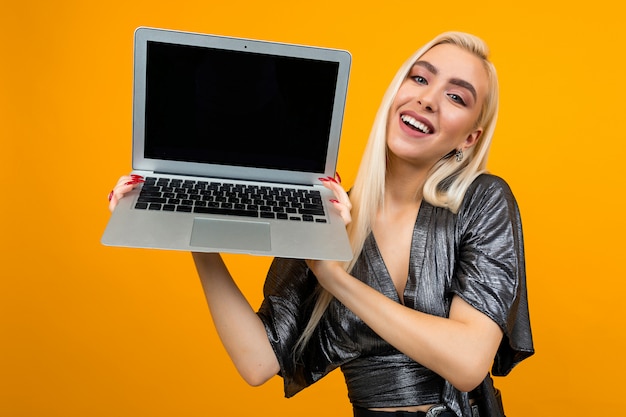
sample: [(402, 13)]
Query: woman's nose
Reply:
[(426, 101)]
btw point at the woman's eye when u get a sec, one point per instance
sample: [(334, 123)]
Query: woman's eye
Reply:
[(419, 79), (456, 98)]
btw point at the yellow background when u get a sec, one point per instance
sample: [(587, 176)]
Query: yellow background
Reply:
[(87, 330)]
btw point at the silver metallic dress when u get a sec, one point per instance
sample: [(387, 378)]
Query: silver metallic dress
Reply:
[(477, 254)]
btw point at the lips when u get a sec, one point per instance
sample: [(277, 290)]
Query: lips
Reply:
[(422, 126)]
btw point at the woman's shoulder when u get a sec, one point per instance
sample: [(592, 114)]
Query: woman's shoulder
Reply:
[(288, 276), (491, 182), (489, 186), (488, 192)]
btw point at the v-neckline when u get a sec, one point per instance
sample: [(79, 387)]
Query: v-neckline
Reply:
[(416, 259)]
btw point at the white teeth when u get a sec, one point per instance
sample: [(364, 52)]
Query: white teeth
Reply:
[(415, 123)]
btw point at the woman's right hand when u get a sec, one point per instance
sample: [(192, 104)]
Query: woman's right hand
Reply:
[(124, 185)]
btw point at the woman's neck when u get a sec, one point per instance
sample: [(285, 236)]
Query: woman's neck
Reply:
[(403, 185)]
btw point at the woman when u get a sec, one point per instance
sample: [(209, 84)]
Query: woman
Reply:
[(435, 295)]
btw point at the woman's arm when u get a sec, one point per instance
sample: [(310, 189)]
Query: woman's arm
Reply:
[(242, 332), (460, 348)]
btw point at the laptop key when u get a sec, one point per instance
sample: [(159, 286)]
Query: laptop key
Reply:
[(231, 212), (148, 199), (311, 212), (150, 188)]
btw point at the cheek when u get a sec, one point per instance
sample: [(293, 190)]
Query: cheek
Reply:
[(404, 94), (460, 123)]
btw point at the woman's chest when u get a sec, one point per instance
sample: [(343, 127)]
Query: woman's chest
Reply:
[(393, 241), (425, 286)]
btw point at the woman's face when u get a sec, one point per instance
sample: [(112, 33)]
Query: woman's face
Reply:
[(437, 106)]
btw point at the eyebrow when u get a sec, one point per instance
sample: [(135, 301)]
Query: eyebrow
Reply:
[(456, 81)]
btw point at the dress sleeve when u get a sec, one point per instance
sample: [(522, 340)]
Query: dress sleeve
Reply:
[(491, 272), (290, 294), (288, 291)]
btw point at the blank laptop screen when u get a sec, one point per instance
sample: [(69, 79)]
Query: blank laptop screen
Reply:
[(245, 109)]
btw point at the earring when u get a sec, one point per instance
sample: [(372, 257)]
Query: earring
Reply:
[(459, 155)]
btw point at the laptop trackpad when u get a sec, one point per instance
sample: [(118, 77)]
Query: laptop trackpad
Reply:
[(231, 234)]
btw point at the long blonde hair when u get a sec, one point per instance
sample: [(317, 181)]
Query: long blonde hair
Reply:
[(447, 181)]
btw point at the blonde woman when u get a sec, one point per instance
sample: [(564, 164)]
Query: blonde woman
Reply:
[(435, 296)]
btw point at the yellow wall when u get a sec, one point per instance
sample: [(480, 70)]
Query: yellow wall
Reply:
[(87, 330)]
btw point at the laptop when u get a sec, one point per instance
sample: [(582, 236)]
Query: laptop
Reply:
[(232, 137)]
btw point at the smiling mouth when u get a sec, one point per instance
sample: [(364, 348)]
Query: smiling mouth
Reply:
[(414, 124)]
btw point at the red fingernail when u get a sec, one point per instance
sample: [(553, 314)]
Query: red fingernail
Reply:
[(323, 179), (338, 176), (134, 182), (110, 195), (334, 201), (333, 180), (136, 176)]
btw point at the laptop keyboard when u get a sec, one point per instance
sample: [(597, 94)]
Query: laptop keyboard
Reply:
[(188, 196)]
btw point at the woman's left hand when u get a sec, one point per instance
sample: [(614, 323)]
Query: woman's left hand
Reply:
[(341, 202), (326, 269)]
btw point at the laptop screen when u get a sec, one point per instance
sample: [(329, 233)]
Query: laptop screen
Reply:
[(228, 107)]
